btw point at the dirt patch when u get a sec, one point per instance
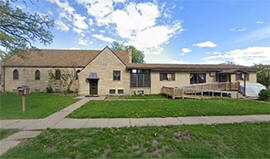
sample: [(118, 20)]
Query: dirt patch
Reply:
[(182, 135)]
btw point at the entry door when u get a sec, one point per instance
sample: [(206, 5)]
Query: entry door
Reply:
[(93, 87)]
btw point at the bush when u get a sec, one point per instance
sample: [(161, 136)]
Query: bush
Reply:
[(49, 89), (264, 94)]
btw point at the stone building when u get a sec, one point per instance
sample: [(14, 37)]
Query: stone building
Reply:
[(107, 72)]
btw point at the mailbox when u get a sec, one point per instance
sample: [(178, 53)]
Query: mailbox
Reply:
[(23, 90)]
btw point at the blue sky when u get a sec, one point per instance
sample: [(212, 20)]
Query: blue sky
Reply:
[(172, 31)]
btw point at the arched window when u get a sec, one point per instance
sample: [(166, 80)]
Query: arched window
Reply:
[(57, 74), (15, 75), (37, 75)]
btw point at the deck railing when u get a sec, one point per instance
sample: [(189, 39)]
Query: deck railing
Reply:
[(212, 88)]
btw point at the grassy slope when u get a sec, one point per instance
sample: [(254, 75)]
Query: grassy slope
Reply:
[(169, 108), (6, 132), (38, 105), (197, 141)]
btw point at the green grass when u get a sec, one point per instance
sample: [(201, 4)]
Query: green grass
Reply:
[(169, 108), (38, 105), (6, 132), (197, 141), (153, 96)]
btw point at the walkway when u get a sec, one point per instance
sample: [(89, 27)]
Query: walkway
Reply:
[(32, 128)]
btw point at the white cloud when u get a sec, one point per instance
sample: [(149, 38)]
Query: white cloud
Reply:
[(205, 44), (185, 51), (61, 26), (238, 29), (216, 53), (91, 22), (68, 13), (74, 48), (260, 34), (247, 56), (101, 37), (85, 42), (135, 23), (259, 22)]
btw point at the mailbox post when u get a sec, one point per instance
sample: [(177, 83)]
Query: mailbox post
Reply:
[(23, 90)]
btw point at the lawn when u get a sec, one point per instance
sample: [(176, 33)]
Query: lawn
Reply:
[(153, 96), (169, 108), (38, 105), (6, 132), (197, 141)]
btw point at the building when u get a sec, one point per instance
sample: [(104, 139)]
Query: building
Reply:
[(107, 72)]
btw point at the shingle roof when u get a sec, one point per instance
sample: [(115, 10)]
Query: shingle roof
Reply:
[(80, 58), (190, 67), (59, 58)]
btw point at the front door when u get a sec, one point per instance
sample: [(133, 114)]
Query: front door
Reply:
[(93, 84)]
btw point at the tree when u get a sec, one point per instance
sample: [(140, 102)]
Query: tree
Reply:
[(263, 76), (67, 79), (137, 55), (19, 30)]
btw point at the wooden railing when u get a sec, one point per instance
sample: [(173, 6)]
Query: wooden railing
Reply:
[(212, 88)]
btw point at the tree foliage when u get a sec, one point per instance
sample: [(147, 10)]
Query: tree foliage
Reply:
[(19, 29), (137, 55), (67, 79), (263, 76)]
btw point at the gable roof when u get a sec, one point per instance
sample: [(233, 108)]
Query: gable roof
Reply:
[(58, 58)]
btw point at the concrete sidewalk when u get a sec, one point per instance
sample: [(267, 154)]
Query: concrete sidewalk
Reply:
[(32, 127), (35, 124), (67, 123)]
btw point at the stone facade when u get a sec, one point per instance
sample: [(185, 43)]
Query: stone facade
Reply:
[(27, 77), (103, 65)]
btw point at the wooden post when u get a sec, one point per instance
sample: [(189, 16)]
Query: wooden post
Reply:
[(23, 103)]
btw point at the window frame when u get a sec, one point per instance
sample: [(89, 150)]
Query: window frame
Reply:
[(37, 75), (112, 90), (15, 74), (161, 76), (117, 78), (120, 90), (196, 77), (57, 74)]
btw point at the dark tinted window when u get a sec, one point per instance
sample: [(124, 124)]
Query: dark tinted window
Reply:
[(37, 75), (197, 78), (116, 75), (15, 75)]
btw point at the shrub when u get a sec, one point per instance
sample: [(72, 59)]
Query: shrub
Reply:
[(264, 94), (49, 89)]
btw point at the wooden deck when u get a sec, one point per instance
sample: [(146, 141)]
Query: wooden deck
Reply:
[(204, 91)]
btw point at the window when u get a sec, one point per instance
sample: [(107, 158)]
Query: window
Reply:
[(57, 74), (240, 76), (15, 75), (116, 75), (140, 78), (167, 76), (197, 78), (120, 91), (112, 91), (37, 75)]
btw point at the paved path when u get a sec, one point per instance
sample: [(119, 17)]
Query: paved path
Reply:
[(32, 128)]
